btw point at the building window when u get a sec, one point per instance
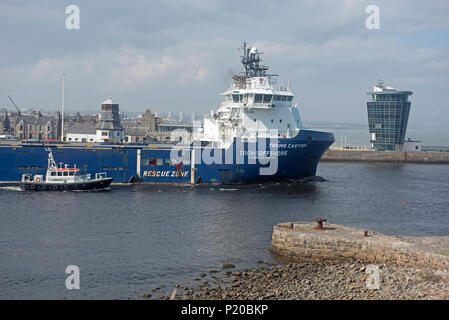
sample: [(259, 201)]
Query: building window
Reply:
[(280, 120), (104, 133)]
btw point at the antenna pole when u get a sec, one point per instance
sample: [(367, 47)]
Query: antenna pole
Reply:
[(62, 109)]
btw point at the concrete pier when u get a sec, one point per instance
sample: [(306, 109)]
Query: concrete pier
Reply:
[(386, 156), (335, 242)]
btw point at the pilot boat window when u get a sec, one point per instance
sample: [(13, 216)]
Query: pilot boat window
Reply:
[(71, 173), (267, 98), (59, 174), (53, 174), (66, 173), (258, 98)]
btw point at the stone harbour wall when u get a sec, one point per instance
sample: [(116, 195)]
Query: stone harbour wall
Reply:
[(300, 240), (386, 156)]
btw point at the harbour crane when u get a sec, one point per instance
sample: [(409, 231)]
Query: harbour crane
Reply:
[(18, 110)]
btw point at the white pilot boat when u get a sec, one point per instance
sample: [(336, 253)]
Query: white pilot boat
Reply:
[(61, 178)]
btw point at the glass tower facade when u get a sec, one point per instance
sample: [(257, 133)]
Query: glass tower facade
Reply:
[(388, 114)]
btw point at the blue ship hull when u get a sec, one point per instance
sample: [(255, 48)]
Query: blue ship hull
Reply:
[(297, 157)]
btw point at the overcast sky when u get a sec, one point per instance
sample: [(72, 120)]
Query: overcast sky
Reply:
[(179, 55)]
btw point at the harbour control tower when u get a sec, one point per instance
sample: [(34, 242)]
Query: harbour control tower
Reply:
[(388, 114)]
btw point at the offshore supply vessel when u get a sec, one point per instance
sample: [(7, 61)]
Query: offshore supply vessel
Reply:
[(256, 135)]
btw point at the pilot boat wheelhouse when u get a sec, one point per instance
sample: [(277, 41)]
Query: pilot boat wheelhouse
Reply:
[(64, 178)]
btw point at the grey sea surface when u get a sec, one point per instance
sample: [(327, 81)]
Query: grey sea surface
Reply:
[(132, 239)]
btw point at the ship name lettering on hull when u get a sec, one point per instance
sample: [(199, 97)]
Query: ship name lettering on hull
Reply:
[(166, 173)]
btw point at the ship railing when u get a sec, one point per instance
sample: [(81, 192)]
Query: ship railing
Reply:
[(100, 175), (261, 105)]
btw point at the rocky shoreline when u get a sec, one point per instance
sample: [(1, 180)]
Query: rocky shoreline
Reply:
[(310, 280)]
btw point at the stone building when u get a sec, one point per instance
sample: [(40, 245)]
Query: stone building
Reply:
[(5, 125), (37, 126), (149, 121), (109, 128)]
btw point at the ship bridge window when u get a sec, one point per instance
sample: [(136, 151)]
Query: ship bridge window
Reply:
[(258, 98), (267, 98), (284, 98), (277, 98), (290, 98), (237, 98)]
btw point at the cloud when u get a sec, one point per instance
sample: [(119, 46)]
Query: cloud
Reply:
[(177, 56)]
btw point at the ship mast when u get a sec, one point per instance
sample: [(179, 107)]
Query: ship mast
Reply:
[(62, 109), (251, 62)]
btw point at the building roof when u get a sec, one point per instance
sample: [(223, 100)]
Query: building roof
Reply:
[(109, 101), (81, 129), (136, 131), (36, 119)]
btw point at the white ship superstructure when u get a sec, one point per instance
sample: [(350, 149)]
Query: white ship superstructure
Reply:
[(254, 107)]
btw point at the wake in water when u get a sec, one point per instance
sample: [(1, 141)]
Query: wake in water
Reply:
[(11, 188)]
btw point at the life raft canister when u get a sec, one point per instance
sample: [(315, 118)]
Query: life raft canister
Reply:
[(37, 179)]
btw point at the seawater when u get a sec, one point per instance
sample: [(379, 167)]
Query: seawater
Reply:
[(131, 239)]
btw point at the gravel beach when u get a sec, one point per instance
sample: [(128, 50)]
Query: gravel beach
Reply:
[(317, 281)]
